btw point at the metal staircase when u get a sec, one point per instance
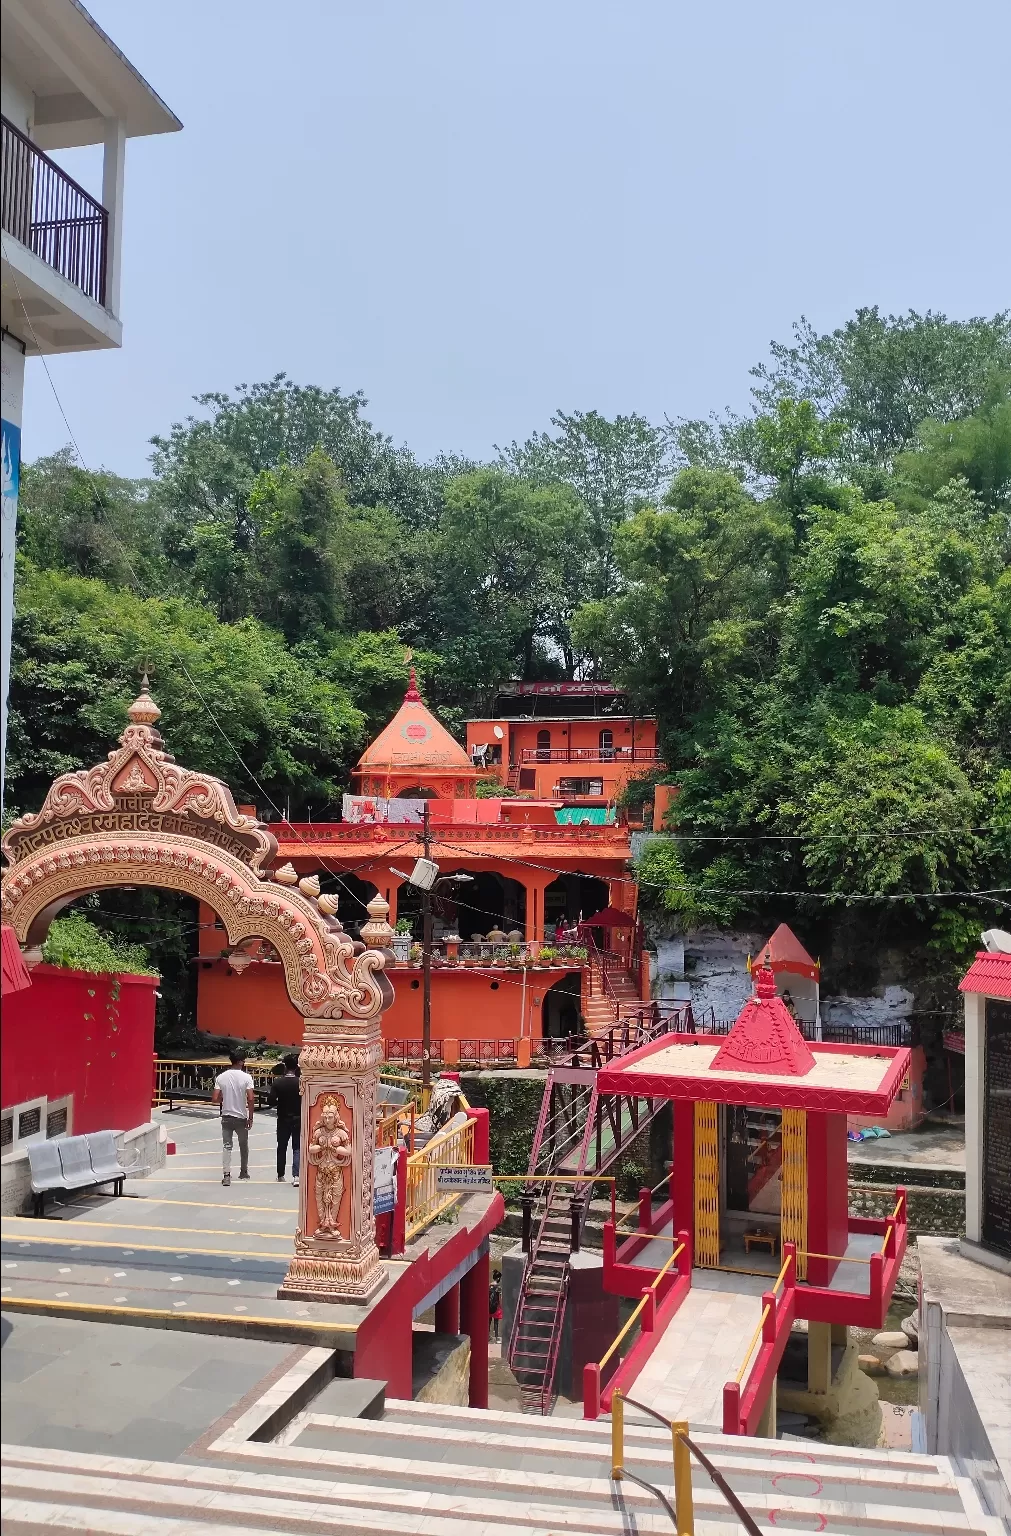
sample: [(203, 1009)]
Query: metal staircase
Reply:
[(580, 1133)]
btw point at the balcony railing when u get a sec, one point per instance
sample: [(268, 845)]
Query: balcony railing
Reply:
[(48, 212), (591, 755)]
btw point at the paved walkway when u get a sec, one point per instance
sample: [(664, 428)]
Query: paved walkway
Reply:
[(702, 1348), (176, 1243)]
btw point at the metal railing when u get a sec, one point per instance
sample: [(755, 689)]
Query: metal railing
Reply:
[(590, 755), (684, 1448), (176, 1079), (48, 212), (425, 1200)]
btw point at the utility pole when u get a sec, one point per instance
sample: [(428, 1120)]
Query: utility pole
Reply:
[(426, 957)]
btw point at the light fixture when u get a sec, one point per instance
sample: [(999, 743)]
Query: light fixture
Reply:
[(239, 960)]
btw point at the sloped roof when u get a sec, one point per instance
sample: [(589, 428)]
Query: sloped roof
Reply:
[(785, 952), (414, 739), (989, 974), (765, 1037)]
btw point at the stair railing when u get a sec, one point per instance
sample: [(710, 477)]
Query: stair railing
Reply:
[(683, 1513)]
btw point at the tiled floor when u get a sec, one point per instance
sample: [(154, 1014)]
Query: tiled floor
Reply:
[(702, 1348)]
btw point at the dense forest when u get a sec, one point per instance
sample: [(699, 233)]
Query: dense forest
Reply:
[(814, 598)]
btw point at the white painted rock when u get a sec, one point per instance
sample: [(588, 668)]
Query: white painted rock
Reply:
[(870, 1365), (911, 1328), (895, 1340), (905, 1362)]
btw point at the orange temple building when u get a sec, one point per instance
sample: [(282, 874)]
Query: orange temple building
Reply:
[(511, 964)]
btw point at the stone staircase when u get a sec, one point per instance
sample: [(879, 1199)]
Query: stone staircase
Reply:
[(441, 1471)]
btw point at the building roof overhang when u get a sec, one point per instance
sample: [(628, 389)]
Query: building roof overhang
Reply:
[(77, 75), (845, 1079), (989, 974)]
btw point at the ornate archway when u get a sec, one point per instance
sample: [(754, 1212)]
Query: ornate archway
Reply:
[(141, 819)]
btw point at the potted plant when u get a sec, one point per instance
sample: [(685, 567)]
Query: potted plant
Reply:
[(547, 955), (415, 954), (402, 940)]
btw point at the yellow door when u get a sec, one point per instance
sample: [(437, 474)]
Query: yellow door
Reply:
[(707, 1186), (794, 1209)]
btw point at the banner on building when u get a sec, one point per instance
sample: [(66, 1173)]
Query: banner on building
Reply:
[(370, 809)]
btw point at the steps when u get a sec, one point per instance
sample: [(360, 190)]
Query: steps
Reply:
[(438, 1471)]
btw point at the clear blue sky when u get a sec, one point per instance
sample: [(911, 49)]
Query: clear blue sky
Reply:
[(477, 213)]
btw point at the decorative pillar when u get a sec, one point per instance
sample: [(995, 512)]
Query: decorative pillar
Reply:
[(707, 1184), (336, 1257)]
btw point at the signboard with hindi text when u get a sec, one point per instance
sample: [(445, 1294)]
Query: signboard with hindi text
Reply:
[(464, 1176)]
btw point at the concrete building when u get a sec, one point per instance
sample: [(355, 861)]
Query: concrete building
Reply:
[(63, 84)]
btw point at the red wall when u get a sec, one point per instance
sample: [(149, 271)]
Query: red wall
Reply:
[(827, 1193), (466, 1003), (74, 1032)]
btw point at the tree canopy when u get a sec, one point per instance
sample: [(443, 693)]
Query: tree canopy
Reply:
[(813, 598)]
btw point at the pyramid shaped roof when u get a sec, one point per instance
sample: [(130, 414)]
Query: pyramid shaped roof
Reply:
[(765, 1037), (414, 740), (785, 952)]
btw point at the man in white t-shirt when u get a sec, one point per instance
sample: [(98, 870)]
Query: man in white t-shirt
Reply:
[(233, 1090)]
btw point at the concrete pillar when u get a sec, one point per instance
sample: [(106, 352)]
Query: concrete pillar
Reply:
[(447, 1311), (819, 1357), (767, 1423), (474, 1321), (974, 1116), (113, 170), (840, 1334)]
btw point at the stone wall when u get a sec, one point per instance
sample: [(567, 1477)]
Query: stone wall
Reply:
[(937, 1212)]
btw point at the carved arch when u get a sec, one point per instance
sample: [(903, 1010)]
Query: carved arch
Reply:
[(140, 819)]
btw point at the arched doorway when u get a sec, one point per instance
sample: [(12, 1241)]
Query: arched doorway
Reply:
[(571, 897), (560, 1017), (139, 819)]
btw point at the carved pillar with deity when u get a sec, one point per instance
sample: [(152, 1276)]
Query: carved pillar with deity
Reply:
[(336, 1257)]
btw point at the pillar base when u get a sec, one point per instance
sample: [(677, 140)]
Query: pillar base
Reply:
[(313, 1277)]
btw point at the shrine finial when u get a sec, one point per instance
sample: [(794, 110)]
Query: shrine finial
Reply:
[(765, 981), (412, 696), (144, 710)]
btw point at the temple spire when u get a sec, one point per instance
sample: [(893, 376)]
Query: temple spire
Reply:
[(412, 696)]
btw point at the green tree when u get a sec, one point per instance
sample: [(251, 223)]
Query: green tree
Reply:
[(502, 560), (700, 576), (976, 449), (89, 524), (236, 701), (614, 466)]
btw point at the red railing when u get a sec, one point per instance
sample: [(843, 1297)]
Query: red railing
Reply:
[(744, 1402), (590, 754), (48, 212)]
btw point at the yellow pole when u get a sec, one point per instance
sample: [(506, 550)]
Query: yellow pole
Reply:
[(617, 1435), (683, 1506)]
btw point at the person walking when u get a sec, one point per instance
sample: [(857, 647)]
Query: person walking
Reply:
[(233, 1091), (495, 1303), (284, 1097)]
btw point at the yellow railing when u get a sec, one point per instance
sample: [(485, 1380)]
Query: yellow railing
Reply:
[(425, 1201), (197, 1077), (388, 1130), (682, 1515), (754, 1340), (413, 1085), (640, 1305)]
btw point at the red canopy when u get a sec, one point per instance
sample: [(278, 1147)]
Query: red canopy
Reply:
[(609, 918)]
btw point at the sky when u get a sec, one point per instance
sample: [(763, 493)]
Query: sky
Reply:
[(480, 213)]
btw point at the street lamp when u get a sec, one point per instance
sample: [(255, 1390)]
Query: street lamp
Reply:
[(425, 877)]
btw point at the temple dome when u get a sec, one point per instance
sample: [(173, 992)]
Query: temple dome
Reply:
[(415, 744)]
